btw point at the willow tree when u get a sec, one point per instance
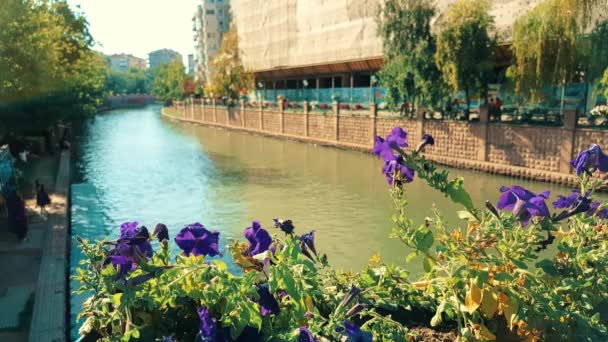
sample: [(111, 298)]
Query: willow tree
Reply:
[(464, 47), (410, 73), (228, 75), (549, 45)]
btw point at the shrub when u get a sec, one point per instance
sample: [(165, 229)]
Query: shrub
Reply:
[(476, 279)]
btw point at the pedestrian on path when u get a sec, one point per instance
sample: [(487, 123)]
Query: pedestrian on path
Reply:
[(20, 219), (42, 198)]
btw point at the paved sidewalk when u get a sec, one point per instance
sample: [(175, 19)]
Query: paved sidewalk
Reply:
[(25, 265)]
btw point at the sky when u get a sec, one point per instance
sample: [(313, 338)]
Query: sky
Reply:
[(140, 26)]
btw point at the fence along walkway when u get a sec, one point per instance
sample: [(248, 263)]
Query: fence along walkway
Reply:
[(525, 151)]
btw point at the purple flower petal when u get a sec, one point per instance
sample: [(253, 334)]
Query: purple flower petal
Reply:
[(196, 239), (397, 138), (355, 334), (306, 335), (268, 304), (207, 325), (523, 203), (590, 160), (259, 238)]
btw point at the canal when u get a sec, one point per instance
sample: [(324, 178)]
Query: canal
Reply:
[(133, 165)]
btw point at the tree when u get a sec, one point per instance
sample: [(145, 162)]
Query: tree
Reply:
[(464, 47), (47, 67), (228, 75), (410, 73), (169, 80), (134, 81), (549, 47)]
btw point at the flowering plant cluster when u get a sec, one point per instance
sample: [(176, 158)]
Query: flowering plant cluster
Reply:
[(515, 270), (600, 111)]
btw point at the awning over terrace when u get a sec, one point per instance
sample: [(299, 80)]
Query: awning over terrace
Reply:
[(343, 67)]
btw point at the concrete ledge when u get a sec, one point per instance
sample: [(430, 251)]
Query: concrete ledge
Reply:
[(49, 319), (493, 168)]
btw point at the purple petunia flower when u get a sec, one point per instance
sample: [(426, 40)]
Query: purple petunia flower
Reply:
[(207, 326), (590, 160), (284, 225), (523, 203), (355, 334), (427, 139), (306, 335), (396, 170), (308, 241), (196, 239), (161, 232), (352, 294), (268, 304), (397, 138), (122, 264), (128, 229), (382, 149), (563, 202), (259, 239), (603, 214)]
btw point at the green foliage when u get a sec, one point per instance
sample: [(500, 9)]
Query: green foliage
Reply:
[(598, 55), (604, 84), (47, 67), (134, 81), (410, 73), (228, 75), (491, 278), (464, 46), (550, 48), (169, 81)]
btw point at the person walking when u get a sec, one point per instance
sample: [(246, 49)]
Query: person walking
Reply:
[(20, 219), (42, 198)]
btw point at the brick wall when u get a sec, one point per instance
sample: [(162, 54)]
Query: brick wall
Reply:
[(384, 126), (534, 152), (321, 126), (531, 147), (294, 124), (583, 138), (208, 114), (355, 130), (272, 121), (252, 119), (222, 116), (452, 139)]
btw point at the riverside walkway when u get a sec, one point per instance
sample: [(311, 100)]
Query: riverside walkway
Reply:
[(33, 288)]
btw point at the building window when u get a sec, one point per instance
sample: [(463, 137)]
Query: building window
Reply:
[(210, 12), (221, 23)]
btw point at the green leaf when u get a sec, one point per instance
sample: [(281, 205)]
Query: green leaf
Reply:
[(411, 256), (116, 299), (466, 215), (458, 194), (425, 243), (428, 264)]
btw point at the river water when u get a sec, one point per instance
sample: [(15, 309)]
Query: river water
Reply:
[(133, 165)]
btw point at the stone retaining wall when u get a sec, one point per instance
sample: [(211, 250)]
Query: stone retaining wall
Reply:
[(534, 152)]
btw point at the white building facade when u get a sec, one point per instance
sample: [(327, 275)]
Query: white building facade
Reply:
[(210, 22)]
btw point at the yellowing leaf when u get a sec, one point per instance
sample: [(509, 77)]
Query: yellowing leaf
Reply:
[(421, 285), (309, 306), (484, 334), (473, 298), (510, 308), (472, 227), (375, 259), (457, 234), (489, 302)]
